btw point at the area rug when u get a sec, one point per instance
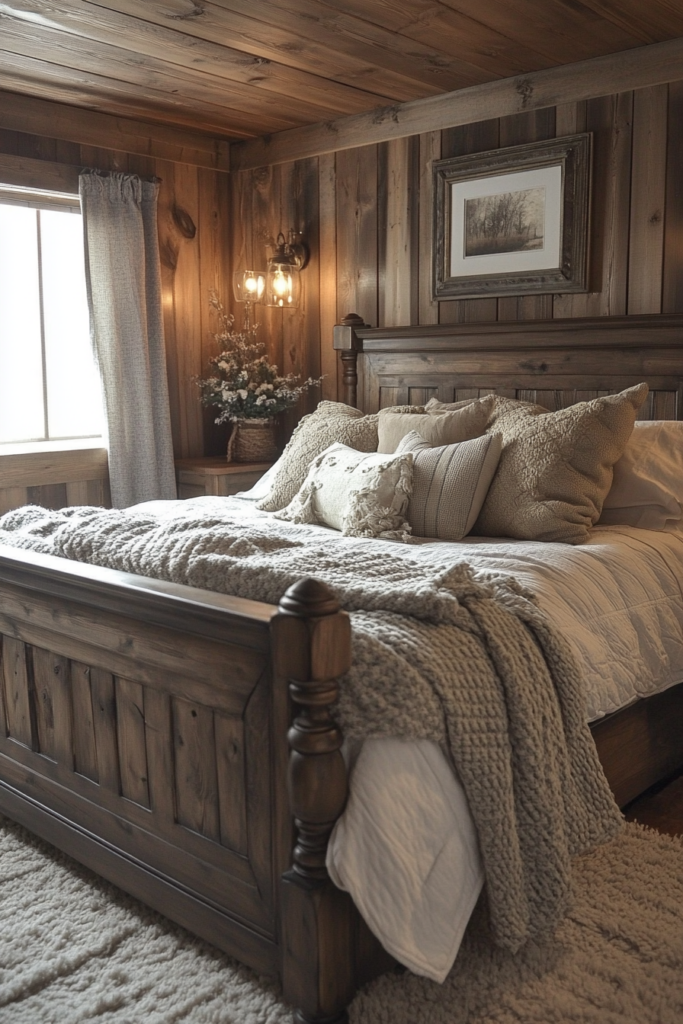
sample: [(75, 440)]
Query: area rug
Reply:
[(74, 949)]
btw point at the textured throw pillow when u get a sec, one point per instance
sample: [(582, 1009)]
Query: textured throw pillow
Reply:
[(446, 428), (647, 490), (556, 467), (449, 484), (331, 421), (363, 495)]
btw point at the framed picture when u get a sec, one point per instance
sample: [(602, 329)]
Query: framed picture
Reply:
[(513, 221)]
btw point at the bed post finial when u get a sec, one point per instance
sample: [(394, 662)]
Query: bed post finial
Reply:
[(349, 344), (317, 929)]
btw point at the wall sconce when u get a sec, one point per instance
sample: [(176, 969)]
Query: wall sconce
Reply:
[(248, 287), (283, 284)]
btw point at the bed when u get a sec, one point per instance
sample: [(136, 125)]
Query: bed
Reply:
[(148, 728)]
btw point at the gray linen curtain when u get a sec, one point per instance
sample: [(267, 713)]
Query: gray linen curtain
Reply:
[(124, 296)]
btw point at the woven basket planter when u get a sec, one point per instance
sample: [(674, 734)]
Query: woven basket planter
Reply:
[(253, 441)]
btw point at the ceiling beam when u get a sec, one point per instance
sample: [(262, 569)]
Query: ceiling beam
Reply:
[(617, 72), (92, 128)]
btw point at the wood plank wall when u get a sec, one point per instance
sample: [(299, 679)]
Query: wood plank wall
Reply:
[(192, 264), (366, 213), (55, 479)]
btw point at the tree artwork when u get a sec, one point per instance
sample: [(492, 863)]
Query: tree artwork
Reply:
[(505, 222)]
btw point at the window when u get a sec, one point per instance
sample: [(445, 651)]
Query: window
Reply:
[(50, 390)]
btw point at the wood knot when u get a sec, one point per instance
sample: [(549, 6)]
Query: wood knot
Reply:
[(309, 598), (182, 220), (525, 88)]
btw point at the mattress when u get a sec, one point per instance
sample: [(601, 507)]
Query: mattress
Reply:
[(406, 848)]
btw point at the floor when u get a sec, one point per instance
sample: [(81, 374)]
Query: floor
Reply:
[(661, 807)]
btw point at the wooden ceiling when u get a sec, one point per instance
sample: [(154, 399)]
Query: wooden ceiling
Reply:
[(244, 68)]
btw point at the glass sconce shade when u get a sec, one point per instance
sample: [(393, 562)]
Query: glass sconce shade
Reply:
[(283, 281), (248, 285), (283, 286)]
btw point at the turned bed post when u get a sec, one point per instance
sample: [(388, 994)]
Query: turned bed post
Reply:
[(317, 919), (347, 342)]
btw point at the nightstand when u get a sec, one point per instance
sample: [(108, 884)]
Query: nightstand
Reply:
[(216, 476)]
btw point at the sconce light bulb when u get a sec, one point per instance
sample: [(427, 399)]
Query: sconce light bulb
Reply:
[(280, 284)]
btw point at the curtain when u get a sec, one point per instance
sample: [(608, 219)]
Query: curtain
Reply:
[(123, 278)]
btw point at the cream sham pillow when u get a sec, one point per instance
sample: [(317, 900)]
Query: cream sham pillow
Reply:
[(647, 490), (446, 428), (449, 484), (556, 468), (362, 495), (331, 421)]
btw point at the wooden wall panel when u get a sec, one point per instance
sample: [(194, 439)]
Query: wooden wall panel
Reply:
[(672, 297), (327, 269), (609, 119), (357, 226), (378, 250), (648, 183), (54, 479)]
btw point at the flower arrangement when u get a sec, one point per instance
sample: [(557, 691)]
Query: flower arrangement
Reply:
[(245, 385)]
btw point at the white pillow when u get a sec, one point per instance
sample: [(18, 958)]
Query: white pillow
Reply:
[(647, 490), (450, 483), (261, 488), (363, 495)]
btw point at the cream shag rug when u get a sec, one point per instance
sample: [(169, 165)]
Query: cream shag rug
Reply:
[(73, 949)]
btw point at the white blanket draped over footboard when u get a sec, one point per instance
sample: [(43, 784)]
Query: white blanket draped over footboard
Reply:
[(460, 657)]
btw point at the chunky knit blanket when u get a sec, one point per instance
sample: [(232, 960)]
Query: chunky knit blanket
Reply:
[(439, 652)]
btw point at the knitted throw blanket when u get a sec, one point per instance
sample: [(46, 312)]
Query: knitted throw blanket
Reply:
[(439, 652)]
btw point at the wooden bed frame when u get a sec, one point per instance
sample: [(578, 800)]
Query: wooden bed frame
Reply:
[(149, 729)]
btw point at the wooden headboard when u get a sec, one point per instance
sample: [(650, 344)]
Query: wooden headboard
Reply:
[(552, 362)]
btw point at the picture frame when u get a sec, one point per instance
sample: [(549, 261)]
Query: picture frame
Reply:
[(513, 221)]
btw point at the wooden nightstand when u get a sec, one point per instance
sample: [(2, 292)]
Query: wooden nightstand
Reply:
[(216, 476)]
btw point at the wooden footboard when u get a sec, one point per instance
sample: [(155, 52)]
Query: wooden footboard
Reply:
[(143, 730)]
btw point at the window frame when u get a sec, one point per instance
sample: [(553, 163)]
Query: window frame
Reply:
[(33, 197)]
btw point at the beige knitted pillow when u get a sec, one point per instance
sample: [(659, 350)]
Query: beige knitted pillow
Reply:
[(556, 467), (331, 421), (363, 494), (445, 428), (449, 484)]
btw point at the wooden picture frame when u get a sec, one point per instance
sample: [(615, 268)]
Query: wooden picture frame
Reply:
[(513, 221)]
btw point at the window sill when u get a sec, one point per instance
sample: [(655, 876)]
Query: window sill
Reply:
[(39, 447)]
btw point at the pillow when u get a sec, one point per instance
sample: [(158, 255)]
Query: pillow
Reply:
[(648, 479), (446, 428), (331, 421), (556, 467), (363, 495), (449, 484)]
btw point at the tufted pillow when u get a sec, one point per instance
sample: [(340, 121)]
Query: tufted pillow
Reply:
[(363, 495), (331, 421), (556, 467), (446, 428), (449, 484)]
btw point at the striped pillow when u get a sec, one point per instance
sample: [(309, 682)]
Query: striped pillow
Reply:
[(449, 484)]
